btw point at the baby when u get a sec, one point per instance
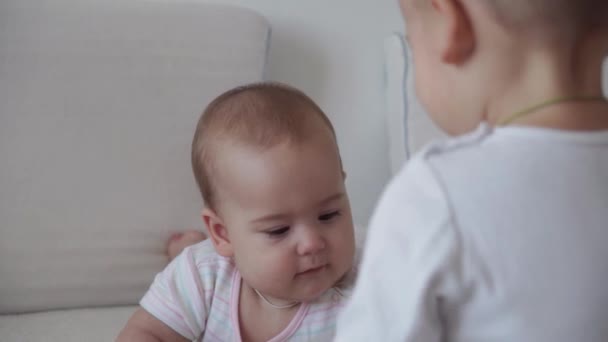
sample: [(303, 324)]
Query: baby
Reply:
[(281, 237), (500, 234)]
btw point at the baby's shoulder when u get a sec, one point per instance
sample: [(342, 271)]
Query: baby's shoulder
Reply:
[(203, 250), (433, 165), (203, 260), (446, 148)]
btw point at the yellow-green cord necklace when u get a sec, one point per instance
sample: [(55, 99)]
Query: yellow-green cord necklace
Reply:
[(508, 120)]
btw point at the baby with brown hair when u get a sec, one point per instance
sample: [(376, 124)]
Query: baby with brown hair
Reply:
[(281, 237)]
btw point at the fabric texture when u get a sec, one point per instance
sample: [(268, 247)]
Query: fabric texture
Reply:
[(99, 102), (197, 295), (91, 325), (499, 235)]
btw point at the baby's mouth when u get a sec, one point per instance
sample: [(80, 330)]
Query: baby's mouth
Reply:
[(313, 270)]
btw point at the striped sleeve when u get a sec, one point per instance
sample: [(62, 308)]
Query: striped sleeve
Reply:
[(176, 297)]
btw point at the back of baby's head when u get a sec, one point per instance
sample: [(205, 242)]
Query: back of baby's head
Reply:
[(260, 115), (551, 18)]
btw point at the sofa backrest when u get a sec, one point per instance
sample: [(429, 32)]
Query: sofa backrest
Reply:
[(98, 104)]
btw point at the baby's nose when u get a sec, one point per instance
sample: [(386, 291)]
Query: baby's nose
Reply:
[(311, 243)]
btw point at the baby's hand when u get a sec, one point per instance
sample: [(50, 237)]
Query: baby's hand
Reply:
[(179, 241)]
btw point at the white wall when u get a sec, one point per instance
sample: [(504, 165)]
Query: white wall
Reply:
[(332, 49)]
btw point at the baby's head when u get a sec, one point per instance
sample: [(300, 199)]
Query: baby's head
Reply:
[(267, 163), (478, 60)]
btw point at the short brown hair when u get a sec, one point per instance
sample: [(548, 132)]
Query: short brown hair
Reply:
[(554, 16), (259, 114)]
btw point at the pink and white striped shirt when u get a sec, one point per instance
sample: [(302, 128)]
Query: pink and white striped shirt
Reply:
[(197, 295)]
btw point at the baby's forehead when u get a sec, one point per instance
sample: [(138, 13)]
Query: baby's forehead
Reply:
[(238, 154), (310, 167)]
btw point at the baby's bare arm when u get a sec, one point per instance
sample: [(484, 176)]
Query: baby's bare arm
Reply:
[(143, 327)]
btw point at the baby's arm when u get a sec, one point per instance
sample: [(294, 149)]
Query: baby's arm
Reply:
[(143, 327), (173, 309)]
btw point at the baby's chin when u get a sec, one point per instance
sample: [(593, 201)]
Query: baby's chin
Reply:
[(312, 293), (312, 296)]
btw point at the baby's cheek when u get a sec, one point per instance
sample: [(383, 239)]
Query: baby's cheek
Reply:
[(277, 263)]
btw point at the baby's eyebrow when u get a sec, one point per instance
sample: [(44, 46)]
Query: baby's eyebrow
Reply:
[(278, 217), (332, 198), (271, 217)]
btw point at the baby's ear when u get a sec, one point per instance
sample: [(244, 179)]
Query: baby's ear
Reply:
[(456, 39), (217, 233)]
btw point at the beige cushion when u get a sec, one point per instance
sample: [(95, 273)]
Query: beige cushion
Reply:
[(98, 104), (90, 325)]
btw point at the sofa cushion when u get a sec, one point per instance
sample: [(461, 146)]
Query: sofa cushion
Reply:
[(91, 325), (98, 105)]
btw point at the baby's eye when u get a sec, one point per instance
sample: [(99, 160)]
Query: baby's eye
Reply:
[(278, 232), (329, 216)]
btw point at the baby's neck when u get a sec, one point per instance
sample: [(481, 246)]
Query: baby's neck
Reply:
[(545, 75), (258, 320)]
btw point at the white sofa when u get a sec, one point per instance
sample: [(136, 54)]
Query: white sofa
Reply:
[(98, 102)]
